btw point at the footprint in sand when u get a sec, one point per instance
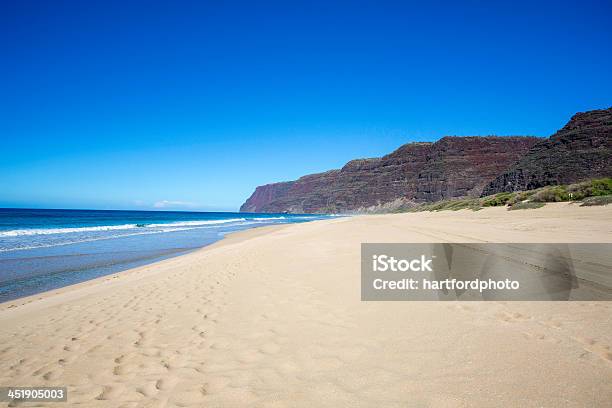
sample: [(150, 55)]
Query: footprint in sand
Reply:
[(166, 383), (541, 337), (270, 348), (512, 317), (463, 308), (52, 375), (109, 393), (149, 390), (554, 324), (597, 348), (217, 384)]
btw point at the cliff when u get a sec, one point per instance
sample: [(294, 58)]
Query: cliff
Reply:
[(581, 150), (265, 194), (419, 172)]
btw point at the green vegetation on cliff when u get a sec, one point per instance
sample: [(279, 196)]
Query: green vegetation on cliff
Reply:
[(589, 193)]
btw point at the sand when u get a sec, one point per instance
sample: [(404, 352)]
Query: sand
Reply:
[(272, 317)]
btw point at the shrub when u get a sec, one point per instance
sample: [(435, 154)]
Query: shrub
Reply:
[(452, 205), (526, 206), (597, 200), (529, 199), (591, 188), (602, 187), (520, 196), (462, 204), (498, 199), (551, 195)]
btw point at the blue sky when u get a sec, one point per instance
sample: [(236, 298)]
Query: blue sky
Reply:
[(190, 105)]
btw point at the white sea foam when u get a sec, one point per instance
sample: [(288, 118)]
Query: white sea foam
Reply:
[(173, 225), (195, 223), (48, 231), (90, 239), (74, 235)]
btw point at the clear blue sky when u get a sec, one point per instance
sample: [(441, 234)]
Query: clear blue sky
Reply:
[(128, 104)]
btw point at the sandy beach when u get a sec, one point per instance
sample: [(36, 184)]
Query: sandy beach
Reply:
[(272, 317)]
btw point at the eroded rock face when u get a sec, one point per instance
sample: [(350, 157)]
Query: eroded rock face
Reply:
[(265, 194), (581, 150), (420, 172), (463, 166)]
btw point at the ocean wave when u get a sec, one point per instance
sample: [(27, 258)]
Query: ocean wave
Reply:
[(195, 223), (49, 231), (69, 230), (37, 245), (22, 239)]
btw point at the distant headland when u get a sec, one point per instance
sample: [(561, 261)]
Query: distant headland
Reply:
[(451, 168)]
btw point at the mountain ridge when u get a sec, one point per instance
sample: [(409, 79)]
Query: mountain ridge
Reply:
[(451, 167), (375, 181), (580, 150)]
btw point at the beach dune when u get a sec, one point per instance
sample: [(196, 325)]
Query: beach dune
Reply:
[(272, 317)]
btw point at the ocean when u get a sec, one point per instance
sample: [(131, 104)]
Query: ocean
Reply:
[(42, 250)]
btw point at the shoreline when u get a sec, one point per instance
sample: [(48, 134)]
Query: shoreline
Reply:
[(228, 239), (58, 248), (108, 279), (272, 316)]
